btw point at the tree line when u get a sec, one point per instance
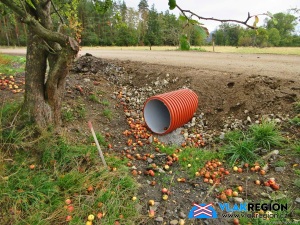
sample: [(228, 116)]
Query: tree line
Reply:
[(120, 25), (279, 31)]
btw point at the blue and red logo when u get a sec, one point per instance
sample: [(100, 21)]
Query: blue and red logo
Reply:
[(203, 211)]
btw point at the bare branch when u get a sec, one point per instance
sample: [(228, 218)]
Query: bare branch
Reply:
[(55, 9), (185, 12)]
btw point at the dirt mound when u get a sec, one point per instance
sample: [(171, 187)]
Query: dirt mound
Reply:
[(223, 96)]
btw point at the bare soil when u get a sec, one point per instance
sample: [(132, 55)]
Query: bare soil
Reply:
[(230, 87)]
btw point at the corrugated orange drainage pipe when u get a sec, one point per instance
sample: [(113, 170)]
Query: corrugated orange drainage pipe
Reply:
[(165, 112)]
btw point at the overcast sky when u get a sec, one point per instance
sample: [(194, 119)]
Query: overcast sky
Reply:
[(224, 9)]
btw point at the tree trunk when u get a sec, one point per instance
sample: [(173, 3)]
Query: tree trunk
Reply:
[(35, 105), (44, 92), (6, 31)]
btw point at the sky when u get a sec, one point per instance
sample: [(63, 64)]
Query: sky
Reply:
[(224, 9)]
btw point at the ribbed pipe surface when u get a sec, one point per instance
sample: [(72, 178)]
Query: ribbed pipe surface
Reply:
[(165, 112)]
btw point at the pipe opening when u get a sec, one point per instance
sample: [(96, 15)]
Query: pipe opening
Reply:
[(157, 116)]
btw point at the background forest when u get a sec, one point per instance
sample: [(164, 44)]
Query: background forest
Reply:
[(126, 26)]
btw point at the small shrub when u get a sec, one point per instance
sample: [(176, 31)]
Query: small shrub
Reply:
[(184, 43)]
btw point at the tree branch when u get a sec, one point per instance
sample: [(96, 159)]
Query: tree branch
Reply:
[(184, 12), (55, 9)]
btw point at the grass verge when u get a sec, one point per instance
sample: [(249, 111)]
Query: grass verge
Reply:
[(10, 65), (36, 181)]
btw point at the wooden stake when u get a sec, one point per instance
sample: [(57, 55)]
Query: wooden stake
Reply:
[(97, 143)]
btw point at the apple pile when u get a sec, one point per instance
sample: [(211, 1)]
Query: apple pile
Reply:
[(212, 172), (9, 83), (230, 193), (271, 183), (195, 141)]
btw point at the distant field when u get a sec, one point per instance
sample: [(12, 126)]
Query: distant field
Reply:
[(224, 49)]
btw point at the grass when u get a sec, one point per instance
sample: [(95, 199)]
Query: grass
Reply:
[(297, 183), (266, 135), (105, 102), (194, 156), (68, 115), (241, 151), (10, 65), (295, 121), (36, 181), (297, 107), (94, 98), (243, 147), (107, 113), (280, 163)]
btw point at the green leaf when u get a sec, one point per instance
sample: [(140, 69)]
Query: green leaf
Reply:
[(194, 22), (275, 21), (172, 4), (29, 2), (182, 18), (203, 31), (256, 19)]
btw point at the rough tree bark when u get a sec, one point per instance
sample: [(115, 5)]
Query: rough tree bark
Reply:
[(44, 92)]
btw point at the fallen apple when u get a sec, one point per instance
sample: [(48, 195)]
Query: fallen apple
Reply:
[(91, 217), (164, 190), (151, 213), (240, 188), (151, 202), (70, 208), (165, 197), (235, 168), (228, 192), (32, 166), (134, 198), (68, 201), (68, 218), (235, 194)]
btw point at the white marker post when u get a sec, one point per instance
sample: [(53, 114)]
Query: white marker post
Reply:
[(97, 143)]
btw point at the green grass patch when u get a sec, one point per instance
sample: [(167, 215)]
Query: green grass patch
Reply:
[(241, 151), (107, 113), (297, 107), (10, 65), (94, 98), (37, 196), (105, 102), (196, 157), (266, 135), (244, 146), (68, 115), (295, 121), (297, 183), (280, 163)]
